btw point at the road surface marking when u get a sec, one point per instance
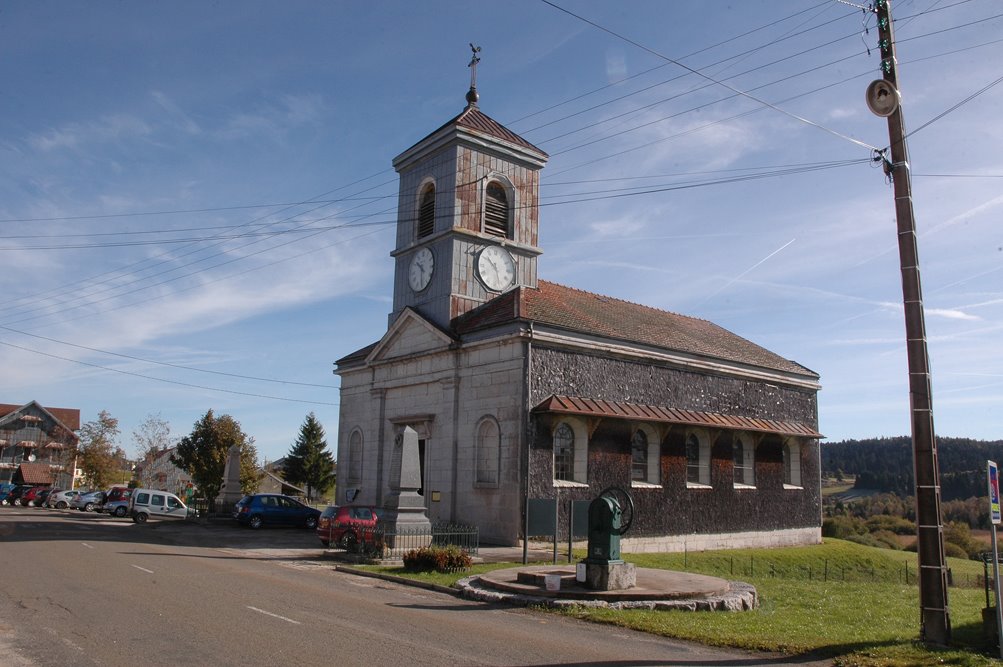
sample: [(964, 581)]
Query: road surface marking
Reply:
[(268, 613), (87, 545), (142, 568)]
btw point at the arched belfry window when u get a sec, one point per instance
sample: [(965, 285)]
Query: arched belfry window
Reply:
[(496, 209), (426, 212)]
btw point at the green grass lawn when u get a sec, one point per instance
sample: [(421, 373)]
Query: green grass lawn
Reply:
[(838, 599)]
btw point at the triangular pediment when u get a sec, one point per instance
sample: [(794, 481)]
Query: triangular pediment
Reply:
[(409, 334)]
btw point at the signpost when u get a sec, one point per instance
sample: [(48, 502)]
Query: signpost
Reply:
[(994, 510)]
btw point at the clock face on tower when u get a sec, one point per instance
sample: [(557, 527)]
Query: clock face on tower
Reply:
[(496, 268), (420, 272)]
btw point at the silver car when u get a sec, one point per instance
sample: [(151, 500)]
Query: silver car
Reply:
[(88, 502), (62, 499), (117, 508)]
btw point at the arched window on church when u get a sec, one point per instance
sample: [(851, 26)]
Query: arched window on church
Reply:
[(426, 212), (355, 457), (496, 210), (564, 453), (488, 451), (697, 461), (639, 457), (792, 464), (744, 455), (645, 464)]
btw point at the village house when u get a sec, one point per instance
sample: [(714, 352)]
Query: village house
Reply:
[(38, 445)]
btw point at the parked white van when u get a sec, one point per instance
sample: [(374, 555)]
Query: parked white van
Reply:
[(150, 503)]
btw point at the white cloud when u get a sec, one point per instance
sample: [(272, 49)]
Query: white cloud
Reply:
[(108, 129), (950, 313), (180, 119)]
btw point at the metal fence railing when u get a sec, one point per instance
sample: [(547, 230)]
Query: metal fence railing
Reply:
[(386, 542)]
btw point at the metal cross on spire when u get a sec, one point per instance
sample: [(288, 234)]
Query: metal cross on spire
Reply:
[(472, 95)]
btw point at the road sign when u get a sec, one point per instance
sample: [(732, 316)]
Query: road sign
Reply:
[(994, 492)]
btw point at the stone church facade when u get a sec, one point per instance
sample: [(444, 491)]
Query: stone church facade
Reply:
[(524, 389)]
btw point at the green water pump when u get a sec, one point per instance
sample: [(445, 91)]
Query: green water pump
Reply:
[(607, 523)]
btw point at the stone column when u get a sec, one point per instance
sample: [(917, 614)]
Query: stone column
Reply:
[(230, 491), (403, 509)]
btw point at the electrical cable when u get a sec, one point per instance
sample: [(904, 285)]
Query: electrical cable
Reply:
[(175, 382), (709, 78), (164, 363)]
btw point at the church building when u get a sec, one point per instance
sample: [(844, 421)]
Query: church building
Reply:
[(523, 389)]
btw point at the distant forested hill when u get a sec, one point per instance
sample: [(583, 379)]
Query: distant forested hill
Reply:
[(885, 464)]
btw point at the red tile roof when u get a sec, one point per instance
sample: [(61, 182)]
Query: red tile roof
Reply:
[(655, 413), (68, 417), (595, 314), (472, 118), (35, 473)]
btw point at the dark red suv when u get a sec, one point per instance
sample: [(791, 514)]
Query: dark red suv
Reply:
[(347, 525)]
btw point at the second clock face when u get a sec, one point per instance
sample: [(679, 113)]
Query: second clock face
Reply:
[(496, 268), (420, 272)]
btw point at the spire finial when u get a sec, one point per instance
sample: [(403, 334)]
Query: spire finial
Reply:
[(472, 95)]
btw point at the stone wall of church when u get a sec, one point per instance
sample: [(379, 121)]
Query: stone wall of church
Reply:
[(672, 507), (445, 395)]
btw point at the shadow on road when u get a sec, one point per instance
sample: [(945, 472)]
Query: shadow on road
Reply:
[(33, 524)]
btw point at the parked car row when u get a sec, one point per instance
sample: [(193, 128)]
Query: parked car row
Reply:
[(118, 501), (338, 525)]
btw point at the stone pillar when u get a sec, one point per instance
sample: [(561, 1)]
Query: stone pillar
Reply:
[(230, 491), (403, 509)]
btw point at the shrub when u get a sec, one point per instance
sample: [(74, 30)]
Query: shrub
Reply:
[(867, 540), (952, 550), (887, 539), (441, 559), (843, 527), (960, 535), (894, 524)]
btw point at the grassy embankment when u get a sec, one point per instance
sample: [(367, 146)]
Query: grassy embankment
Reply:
[(856, 604)]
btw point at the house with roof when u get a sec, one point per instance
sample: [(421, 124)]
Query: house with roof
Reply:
[(157, 471), (521, 389), (38, 445)]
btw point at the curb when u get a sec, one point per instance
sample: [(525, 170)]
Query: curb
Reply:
[(399, 580)]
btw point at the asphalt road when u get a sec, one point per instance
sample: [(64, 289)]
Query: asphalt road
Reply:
[(82, 589)]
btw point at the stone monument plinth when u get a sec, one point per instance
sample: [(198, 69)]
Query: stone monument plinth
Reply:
[(230, 492), (404, 510)]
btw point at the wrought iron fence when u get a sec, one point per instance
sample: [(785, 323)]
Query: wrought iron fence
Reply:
[(385, 542), (201, 509)]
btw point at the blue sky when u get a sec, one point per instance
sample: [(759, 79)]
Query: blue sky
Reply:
[(150, 154)]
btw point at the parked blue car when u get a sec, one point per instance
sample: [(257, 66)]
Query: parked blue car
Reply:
[(273, 509)]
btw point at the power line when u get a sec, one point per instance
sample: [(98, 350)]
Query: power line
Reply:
[(164, 363), (648, 71), (174, 382), (709, 78)]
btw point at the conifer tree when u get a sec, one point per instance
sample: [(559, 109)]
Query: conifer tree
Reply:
[(309, 463)]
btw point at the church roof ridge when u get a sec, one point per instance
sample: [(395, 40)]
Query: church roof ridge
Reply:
[(573, 309), (605, 298)]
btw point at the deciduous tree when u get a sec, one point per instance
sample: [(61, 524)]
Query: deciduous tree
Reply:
[(99, 456), (152, 437), (202, 453)]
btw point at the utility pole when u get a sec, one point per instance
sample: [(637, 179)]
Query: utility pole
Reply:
[(883, 99)]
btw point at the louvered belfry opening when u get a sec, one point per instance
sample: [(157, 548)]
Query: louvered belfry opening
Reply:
[(496, 210), (426, 212)]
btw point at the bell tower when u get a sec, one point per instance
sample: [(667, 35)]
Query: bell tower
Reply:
[(467, 215)]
